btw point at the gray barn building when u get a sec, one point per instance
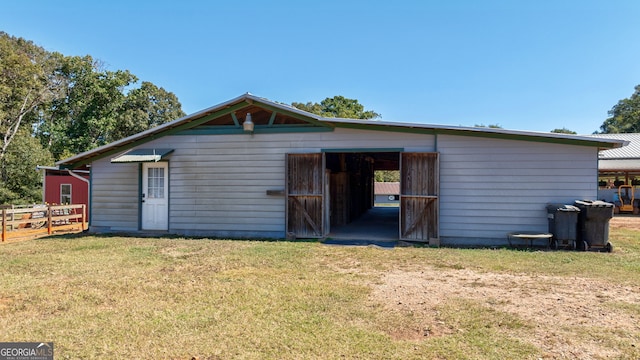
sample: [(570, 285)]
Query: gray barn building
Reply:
[(254, 168)]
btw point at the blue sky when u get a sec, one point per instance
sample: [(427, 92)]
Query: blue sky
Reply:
[(525, 65)]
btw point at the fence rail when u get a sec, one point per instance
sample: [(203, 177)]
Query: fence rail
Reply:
[(42, 220)]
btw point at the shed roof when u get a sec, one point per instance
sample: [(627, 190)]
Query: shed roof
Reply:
[(387, 188), (248, 101)]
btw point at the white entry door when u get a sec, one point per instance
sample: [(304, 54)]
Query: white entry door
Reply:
[(155, 196)]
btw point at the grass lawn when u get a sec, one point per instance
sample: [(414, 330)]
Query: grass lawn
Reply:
[(142, 298)]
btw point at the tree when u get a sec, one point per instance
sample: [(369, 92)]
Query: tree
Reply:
[(21, 183), (26, 83), (338, 107), (95, 110), (564, 131), (146, 107), (624, 117), (387, 176), (71, 105), (86, 116)]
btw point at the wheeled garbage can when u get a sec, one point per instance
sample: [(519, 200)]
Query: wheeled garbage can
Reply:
[(593, 225), (563, 225)]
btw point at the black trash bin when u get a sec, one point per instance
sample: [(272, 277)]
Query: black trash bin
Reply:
[(593, 224), (563, 225)]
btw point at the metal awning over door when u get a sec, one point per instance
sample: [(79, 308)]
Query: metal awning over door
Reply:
[(305, 207), (419, 197), (142, 156)]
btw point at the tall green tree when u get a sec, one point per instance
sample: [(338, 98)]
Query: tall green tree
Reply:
[(338, 107), (71, 105), (86, 116), (27, 81), (146, 107), (624, 117), (97, 109)]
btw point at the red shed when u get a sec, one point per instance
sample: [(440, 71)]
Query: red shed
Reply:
[(64, 187)]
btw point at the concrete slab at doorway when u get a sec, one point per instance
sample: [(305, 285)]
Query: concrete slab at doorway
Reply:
[(378, 226)]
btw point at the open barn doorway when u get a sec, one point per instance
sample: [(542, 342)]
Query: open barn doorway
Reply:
[(352, 211), (331, 194)]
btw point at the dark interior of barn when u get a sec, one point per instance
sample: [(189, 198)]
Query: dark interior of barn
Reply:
[(351, 184)]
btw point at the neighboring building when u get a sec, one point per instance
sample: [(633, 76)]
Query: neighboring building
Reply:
[(254, 168), (387, 193), (620, 166), (62, 187)]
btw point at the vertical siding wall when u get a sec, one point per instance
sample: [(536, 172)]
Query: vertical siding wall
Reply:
[(218, 183), (491, 187)]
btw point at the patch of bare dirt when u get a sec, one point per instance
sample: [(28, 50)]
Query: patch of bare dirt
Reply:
[(5, 303), (555, 306), (561, 313), (626, 221)]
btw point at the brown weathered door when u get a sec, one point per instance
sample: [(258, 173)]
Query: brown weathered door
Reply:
[(419, 190), (305, 196)]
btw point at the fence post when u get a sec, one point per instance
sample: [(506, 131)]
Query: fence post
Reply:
[(84, 217), (4, 224), (49, 225)]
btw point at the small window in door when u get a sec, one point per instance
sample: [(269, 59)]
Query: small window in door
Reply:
[(65, 193), (155, 185)]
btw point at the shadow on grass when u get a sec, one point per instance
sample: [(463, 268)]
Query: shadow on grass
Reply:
[(327, 241), (164, 236)]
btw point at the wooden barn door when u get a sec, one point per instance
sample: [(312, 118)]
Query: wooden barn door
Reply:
[(305, 187), (419, 190)]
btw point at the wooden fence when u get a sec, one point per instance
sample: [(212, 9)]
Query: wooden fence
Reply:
[(43, 220)]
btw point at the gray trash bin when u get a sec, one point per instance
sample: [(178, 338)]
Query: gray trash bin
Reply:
[(563, 224), (593, 223)]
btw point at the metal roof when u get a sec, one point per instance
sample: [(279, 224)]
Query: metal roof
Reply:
[(630, 151), (142, 155), (249, 99), (387, 188)]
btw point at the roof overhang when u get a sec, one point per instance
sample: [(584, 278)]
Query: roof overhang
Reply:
[(142, 155)]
